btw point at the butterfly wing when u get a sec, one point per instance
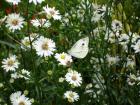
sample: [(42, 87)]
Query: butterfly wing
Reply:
[(80, 48)]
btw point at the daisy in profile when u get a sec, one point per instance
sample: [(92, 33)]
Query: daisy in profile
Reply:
[(14, 2), (23, 74), (74, 78), (26, 42), (10, 64), (19, 99), (71, 96), (44, 46), (14, 22), (52, 13), (40, 23), (64, 58), (36, 1)]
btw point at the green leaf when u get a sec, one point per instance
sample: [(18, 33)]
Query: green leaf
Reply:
[(8, 44)]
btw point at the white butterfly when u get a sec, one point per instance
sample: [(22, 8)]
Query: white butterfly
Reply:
[(80, 48)]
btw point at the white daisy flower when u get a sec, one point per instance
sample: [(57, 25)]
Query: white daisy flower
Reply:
[(52, 13), (23, 74), (116, 25), (112, 60), (131, 79), (14, 2), (99, 12), (40, 23), (26, 42), (14, 22), (71, 96), (15, 95), (36, 1), (74, 78), (130, 64), (44, 46), (111, 37), (15, 75), (10, 64), (136, 47), (18, 99), (135, 37), (64, 58)]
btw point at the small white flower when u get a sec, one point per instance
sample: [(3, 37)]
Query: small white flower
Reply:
[(14, 22), (136, 47), (116, 25), (15, 75), (99, 12), (64, 58), (18, 99), (89, 86), (74, 78), (44, 46), (23, 74), (14, 2), (135, 37), (131, 79), (131, 62), (71, 96), (51, 12), (15, 95), (10, 64), (40, 23), (111, 36), (36, 1), (123, 38), (61, 79), (26, 42), (112, 60)]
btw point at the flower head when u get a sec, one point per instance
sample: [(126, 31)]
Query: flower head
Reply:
[(14, 22), (52, 13), (44, 46), (10, 64), (64, 58), (18, 99), (71, 96), (40, 23), (36, 1), (136, 47), (116, 25), (26, 42), (74, 78), (14, 2)]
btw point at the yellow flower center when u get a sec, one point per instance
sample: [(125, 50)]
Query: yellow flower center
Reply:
[(45, 46), (27, 43), (15, 22), (52, 12), (10, 63), (74, 78), (21, 103), (62, 56)]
